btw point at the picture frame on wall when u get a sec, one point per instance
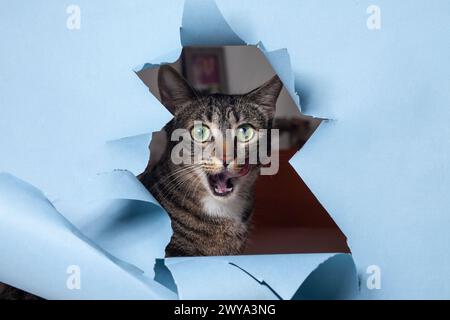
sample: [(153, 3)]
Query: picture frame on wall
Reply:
[(205, 69)]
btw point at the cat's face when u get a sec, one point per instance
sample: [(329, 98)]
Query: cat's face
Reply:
[(220, 133)]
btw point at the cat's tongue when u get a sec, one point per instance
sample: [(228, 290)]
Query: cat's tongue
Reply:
[(222, 183), (244, 170)]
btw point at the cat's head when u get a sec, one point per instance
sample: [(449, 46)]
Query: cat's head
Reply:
[(226, 128)]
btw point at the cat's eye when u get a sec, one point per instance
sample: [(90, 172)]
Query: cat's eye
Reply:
[(245, 133), (200, 133)]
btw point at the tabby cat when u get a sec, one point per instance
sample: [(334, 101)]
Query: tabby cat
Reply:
[(210, 199)]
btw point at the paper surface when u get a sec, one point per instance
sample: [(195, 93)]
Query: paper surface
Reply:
[(38, 246), (224, 277), (379, 167)]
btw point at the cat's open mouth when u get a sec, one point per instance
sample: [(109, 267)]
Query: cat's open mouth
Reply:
[(222, 184)]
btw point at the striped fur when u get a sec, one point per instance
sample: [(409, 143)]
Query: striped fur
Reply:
[(203, 223)]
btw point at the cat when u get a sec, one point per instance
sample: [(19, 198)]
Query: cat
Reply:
[(210, 200)]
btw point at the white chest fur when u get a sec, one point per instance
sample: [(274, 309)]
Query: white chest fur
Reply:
[(230, 207)]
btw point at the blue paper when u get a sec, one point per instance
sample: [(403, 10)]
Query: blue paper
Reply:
[(72, 107), (203, 25), (331, 276), (38, 245)]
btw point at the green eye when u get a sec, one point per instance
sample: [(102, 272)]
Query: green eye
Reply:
[(245, 133), (200, 133)]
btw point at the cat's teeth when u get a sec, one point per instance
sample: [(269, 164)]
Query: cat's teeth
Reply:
[(222, 191)]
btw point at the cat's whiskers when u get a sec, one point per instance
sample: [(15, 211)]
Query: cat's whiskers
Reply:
[(192, 191), (166, 192), (176, 180), (177, 171), (197, 178)]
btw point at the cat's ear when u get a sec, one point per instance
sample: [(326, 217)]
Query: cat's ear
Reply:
[(175, 92), (266, 95)]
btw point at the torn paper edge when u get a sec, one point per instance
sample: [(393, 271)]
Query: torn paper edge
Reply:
[(339, 270), (144, 288), (288, 78), (192, 35)]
